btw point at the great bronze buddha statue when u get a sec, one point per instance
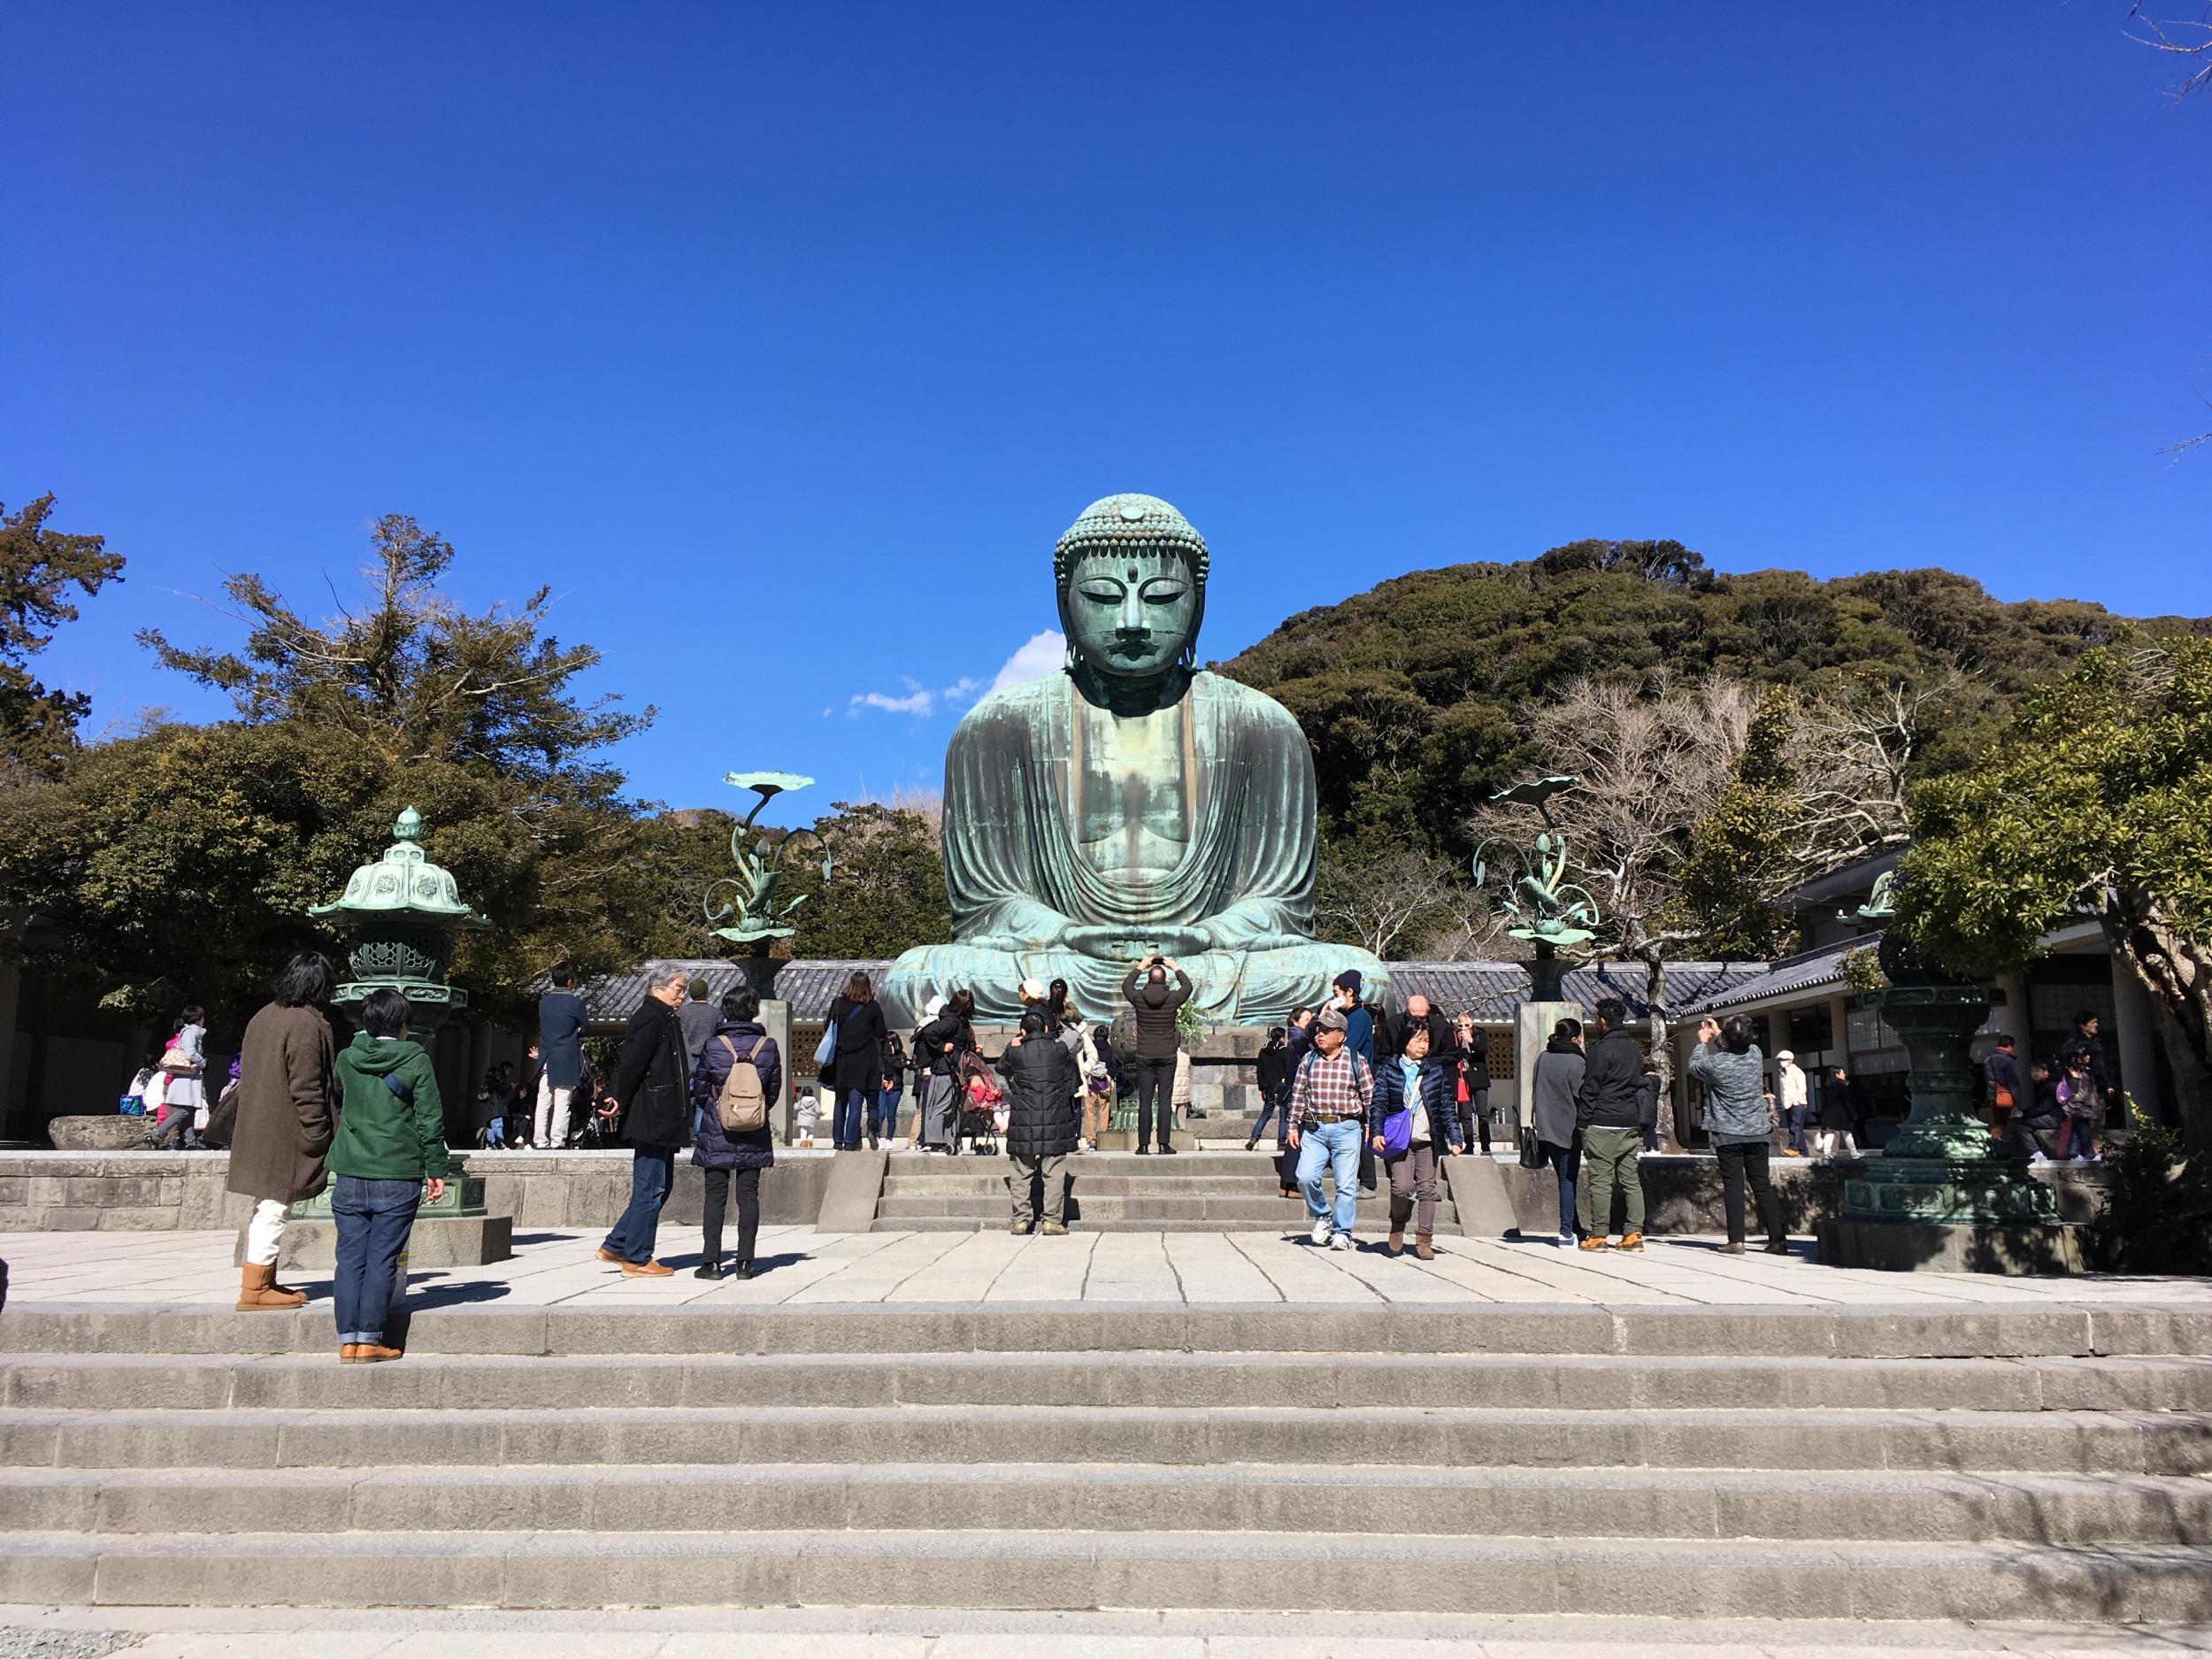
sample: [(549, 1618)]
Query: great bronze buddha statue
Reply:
[(1129, 803)]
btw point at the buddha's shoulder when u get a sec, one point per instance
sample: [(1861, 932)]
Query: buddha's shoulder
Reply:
[(1245, 702), (1022, 705), (1026, 704)]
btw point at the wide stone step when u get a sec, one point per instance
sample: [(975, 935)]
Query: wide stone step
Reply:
[(992, 1183), (732, 1435), (1081, 1570), (1872, 1506), (1263, 1207), (497, 1382), (1848, 1332), (1371, 1224), (1184, 1165)]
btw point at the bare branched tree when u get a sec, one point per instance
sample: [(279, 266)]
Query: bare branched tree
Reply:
[(1398, 901), (1850, 754), (1654, 761), (2188, 40)]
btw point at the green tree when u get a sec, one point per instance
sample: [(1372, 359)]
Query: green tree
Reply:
[(179, 863), (1740, 861), (414, 677), (887, 887), (2093, 801), (1418, 695), (38, 569)]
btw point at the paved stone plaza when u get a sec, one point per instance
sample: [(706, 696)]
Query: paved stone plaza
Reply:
[(558, 1268), (978, 1633)]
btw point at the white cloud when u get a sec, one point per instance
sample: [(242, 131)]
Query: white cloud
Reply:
[(1045, 654), (919, 700)]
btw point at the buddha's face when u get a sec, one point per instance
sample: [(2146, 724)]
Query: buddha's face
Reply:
[(1130, 614)]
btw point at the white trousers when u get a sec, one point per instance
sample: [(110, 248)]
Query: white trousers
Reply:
[(265, 1231), (552, 1115), (1824, 1143)]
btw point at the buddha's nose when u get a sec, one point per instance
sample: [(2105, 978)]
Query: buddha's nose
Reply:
[(1132, 611)]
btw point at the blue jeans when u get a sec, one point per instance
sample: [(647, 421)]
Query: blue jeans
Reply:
[(884, 1115), (1331, 1145), (1269, 1105), (1565, 1161), (1797, 1129), (852, 1117), (373, 1221), (651, 1169)]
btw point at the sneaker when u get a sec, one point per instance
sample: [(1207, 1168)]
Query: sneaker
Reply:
[(2077, 1162), (1053, 1230), (1342, 1242), (2095, 1158), (1019, 1229), (2038, 1159), (1567, 1240), (1322, 1229), (1792, 1152)]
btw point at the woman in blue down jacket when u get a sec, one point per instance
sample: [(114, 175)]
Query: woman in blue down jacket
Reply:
[(1420, 1082)]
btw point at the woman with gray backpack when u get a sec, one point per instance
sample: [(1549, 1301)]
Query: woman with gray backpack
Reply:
[(735, 1085)]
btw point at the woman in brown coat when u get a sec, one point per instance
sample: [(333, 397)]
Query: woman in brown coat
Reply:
[(282, 1135)]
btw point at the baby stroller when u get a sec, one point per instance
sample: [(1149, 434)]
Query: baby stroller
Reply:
[(982, 1118)]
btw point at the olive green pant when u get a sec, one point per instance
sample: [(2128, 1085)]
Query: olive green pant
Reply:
[(1608, 1160)]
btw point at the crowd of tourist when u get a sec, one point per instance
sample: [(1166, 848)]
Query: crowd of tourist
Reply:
[(1359, 1103)]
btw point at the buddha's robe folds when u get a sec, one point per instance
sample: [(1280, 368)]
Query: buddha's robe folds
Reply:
[(1077, 841)]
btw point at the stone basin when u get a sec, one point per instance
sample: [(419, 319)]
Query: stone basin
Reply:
[(110, 1132)]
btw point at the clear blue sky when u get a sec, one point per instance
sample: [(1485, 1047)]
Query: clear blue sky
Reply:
[(784, 341)]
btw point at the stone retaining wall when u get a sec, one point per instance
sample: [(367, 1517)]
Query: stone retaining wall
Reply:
[(162, 1192), (168, 1192)]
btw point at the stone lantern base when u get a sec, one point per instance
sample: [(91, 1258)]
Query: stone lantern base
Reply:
[(455, 1232), (1943, 1196)]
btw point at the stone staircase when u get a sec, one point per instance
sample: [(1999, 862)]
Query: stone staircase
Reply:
[(2047, 1464), (1117, 1192)]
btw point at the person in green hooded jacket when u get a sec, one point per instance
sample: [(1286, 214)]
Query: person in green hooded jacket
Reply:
[(388, 1155)]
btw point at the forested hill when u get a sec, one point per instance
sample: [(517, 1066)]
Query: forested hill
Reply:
[(1416, 693)]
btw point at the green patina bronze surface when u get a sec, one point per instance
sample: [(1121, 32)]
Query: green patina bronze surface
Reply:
[(746, 901), (1129, 803), (403, 912), (1549, 910), (1942, 1165)]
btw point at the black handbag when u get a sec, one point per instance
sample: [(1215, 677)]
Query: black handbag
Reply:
[(1531, 1149)]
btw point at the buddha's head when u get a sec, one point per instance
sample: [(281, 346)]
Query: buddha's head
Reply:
[(1131, 575)]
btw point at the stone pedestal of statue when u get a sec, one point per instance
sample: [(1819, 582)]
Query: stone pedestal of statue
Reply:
[(1532, 1030)]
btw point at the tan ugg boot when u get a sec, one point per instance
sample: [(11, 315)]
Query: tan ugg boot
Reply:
[(258, 1292), (1424, 1248), (1397, 1240)]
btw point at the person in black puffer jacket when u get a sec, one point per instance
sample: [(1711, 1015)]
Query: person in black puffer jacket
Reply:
[(1042, 1122)]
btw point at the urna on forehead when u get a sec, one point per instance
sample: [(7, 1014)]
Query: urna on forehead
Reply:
[(1139, 529)]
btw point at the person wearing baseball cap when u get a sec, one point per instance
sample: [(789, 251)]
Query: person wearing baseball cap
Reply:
[(1328, 1115)]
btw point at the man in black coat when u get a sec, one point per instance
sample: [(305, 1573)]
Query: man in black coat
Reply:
[(1609, 1110), (650, 1082), (1043, 1121)]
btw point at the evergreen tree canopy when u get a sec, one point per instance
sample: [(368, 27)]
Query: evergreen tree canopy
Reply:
[(38, 568), (1419, 694)]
